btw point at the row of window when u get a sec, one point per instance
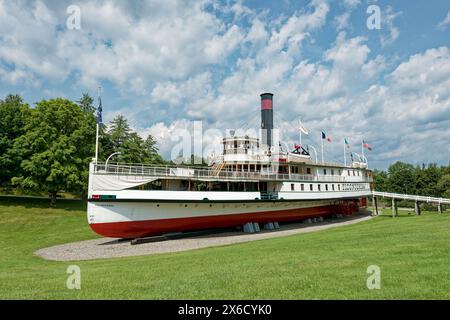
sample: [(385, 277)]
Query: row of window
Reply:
[(327, 187), (349, 172)]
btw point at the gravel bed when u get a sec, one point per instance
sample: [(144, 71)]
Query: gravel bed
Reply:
[(104, 248)]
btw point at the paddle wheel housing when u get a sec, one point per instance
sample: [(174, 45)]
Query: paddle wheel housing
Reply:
[(346, 207)]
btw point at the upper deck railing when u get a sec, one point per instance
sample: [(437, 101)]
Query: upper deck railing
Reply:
[(211, 174)]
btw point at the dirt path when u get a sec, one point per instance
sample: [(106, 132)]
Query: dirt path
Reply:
[(104, 248)]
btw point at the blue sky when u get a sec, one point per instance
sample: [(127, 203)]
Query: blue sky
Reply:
[(164, 64)]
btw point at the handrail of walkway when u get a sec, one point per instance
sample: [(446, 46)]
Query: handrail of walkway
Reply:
[(410, 197)]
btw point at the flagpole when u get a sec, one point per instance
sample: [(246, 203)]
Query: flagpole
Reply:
[(300, 128), (345, 156), (362, 150), (97, 130), (300, 138), (321, 139), (96, 145)]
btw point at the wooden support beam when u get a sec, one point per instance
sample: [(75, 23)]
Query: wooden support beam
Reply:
[(417, 208), (394, 208), (375, 206), (440, 208)]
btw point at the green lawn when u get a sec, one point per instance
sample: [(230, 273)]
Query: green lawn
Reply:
[(412, 252)]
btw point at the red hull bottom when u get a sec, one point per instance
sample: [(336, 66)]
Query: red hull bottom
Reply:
[(136, 229)]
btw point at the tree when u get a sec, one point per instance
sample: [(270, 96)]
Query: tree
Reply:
[(57, 146), (402, 178), (444, 186), (381, 180), (106, 147), (151, 151), (13, 115), (86, 103), (119, 132), (132, 150), (426, 180)]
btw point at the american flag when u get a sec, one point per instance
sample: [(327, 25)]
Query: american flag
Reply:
[(325, 137), (366, 145)]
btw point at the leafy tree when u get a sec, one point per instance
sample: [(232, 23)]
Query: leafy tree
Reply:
[(444, 186), (401, 178), (381, 179), (57, 146), (106, 147), (426, 180), (13, 115)]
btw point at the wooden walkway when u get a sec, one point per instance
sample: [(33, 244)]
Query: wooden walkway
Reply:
[(417, 200)]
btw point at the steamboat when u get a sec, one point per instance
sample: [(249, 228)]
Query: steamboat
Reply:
[(251, 182)]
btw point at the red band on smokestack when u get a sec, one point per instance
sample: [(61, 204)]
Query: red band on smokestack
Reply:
[(266, 104)]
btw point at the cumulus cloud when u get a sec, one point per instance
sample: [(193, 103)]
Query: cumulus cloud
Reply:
[(115, 42), (182, 61)]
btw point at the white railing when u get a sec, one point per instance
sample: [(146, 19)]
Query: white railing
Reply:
[(410, 197), (207, 173)]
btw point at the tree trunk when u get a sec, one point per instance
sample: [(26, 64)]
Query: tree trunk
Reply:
[(53, 199)]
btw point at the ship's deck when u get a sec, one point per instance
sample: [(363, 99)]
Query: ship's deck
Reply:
[(211, 174)]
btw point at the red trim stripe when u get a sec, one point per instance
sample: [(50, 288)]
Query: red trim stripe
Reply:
[(266, 104), (135, 229)]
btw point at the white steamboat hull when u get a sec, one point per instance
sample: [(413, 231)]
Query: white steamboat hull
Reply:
[(137, 217)]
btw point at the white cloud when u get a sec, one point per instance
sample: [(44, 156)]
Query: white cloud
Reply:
[(443, 24), (342, 21), (388, 17), (128, 46), (352, 3), (181, 61)]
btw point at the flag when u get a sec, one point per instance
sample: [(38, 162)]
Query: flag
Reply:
[(99, 111), (366, 145), (325, 137), (303, 129), (346, 143)]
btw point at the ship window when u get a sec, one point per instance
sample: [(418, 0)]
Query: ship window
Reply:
[(324, 171), (292, 187), (326, 187), (310, 187), (318, 187), (339, 187), (353, 172), (340, 172), (332, 187), (302, 187), (308, 170), (348, 171), (332, 172)]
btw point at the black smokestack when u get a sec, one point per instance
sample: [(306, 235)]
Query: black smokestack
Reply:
[(267, 118)]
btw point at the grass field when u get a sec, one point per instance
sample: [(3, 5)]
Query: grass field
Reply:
[(412, 252)]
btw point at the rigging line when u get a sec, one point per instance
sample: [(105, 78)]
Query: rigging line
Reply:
[(244, 124)]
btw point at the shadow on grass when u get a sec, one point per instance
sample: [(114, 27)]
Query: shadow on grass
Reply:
[(41, 202)]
